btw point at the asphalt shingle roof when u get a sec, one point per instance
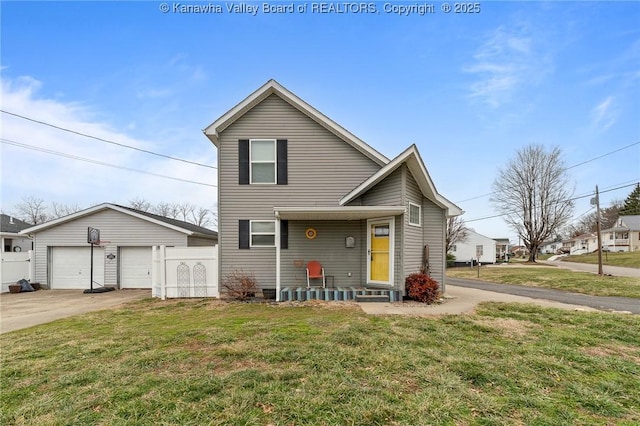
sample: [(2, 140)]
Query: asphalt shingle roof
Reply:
[(12, 225), (175, 222)]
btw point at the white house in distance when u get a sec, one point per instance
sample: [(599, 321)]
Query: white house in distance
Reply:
[(624, 236), (582, 244), (550, 247), (476, 247)]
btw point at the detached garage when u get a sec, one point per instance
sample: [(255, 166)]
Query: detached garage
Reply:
[(122, 259)]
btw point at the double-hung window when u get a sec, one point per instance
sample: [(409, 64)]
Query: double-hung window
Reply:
[(414, 214), (263, 233), (263, 160)]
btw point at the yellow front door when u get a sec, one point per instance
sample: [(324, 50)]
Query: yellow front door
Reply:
[(379, 252)]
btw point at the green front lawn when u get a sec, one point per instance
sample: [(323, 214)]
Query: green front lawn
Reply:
[(204, 362), (552, 277), (627, 259)]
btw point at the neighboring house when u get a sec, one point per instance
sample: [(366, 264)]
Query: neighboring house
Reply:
[(519, 251), (624, 236), (550, 247), (11, 239), (503, 245), (295, 186), (123, 258), (582, 244), (475, 248)]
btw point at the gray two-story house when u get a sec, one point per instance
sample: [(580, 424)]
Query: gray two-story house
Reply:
[(295, 186)]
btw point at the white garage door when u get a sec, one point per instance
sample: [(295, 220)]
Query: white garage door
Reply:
[(135, 267), (71, 267)]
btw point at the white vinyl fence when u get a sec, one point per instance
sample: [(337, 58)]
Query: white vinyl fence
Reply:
[(14, 267), (184, 272)]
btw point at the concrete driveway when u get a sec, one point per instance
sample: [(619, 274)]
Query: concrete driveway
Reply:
[(23, 310)]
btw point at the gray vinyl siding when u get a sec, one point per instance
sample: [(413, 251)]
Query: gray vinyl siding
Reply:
[(321, 169), (433, 222), (414, 235), (118, 228), (328, 248), (200, 242), (385, 193)]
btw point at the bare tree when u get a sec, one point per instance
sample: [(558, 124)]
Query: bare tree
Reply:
[(140, 204), (531, 193), (587, 223), (166, 210), (200, 217), (457, 232), (60, 210), (184, 210), (32, 210)]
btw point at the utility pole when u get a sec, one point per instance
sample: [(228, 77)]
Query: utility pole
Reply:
[(596, 201)]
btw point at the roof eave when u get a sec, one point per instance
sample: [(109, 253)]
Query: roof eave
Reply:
[(411, 156), (337, 213), (95, 209), (273, 87)]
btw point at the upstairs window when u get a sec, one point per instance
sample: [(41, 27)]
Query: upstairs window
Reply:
[(262, 161), (262, 156), (414, 214)]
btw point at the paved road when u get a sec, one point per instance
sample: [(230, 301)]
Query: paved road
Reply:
[(598, 302), (616, 271)]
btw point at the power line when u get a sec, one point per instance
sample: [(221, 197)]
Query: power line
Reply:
[(603, 155), (565, 169), (557, 202), (75, 132), (101, 163)]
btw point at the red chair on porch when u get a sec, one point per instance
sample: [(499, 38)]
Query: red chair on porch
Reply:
[(315, 271)]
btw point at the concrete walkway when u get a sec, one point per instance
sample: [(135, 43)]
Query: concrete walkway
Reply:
[(461, 300), (616, 271)]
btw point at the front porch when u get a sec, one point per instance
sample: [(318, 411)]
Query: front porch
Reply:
[(360, 294)]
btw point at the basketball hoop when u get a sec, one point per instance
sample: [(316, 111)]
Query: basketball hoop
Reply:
[(101, 242)]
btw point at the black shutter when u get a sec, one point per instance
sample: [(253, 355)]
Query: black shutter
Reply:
[(243, 234), (284, 234), (243, 161), (282, 161)]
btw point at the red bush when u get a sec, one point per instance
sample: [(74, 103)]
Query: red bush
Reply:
[(422, 288)]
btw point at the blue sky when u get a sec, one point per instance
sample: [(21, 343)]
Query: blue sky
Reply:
[(467, 89)]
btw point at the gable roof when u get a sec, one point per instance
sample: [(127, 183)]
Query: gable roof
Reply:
[(177, 225), (11, 225), (272, 87), (632, 222), (410, 157)]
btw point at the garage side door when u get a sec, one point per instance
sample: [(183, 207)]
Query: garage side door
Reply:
[(71, 267), (135, 267)]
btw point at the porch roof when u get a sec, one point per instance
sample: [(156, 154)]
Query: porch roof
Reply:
[(337, 213)]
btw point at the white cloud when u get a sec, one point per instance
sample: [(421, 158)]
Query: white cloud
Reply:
[(54, 178), (604, 114), (505, 62)]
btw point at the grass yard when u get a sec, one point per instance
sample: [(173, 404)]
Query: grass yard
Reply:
[(553, 277), (627, 259), (204, 362)]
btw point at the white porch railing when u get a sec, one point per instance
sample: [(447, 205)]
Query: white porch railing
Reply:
[(179, 272)]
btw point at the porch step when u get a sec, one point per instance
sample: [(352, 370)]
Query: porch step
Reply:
[(374, 298), (339, 293)]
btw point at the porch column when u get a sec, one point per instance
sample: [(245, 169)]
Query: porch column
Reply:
[(277, 257)]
